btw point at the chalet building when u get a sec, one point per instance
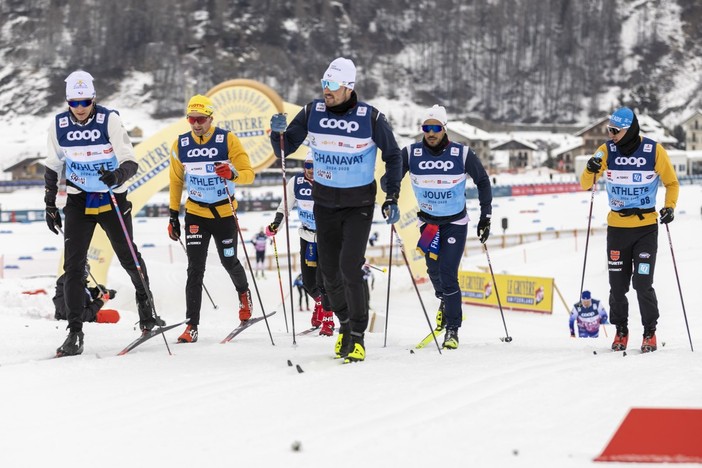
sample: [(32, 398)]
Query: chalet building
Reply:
[(520, 153), (27, 169), (565, 155), (692, 126), (593, 136)]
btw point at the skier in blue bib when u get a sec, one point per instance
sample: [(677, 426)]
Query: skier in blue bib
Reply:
[(344, 135), (91, 144), (633, 168), (589, 314), (439, 169)]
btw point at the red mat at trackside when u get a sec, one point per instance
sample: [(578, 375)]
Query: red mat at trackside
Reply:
[(657, 435)]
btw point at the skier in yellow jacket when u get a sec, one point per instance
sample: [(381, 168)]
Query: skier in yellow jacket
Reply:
[(633, 166), (209, 161)]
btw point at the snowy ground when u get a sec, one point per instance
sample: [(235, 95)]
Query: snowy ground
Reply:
[(544, 399)]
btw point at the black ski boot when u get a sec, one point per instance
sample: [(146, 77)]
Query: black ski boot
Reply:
[(147, 318), (72, 346)]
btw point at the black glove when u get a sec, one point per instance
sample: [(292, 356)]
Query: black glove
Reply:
[(53, 217), (110, 292), (95, 292), (110, 178), (483, 229), (174, 226), (594, 165), (667, 215)]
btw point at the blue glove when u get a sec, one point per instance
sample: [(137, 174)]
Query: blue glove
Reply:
[(390, 211), (278, 123)]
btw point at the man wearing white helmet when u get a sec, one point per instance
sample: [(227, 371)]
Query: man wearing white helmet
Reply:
[(91, 143), (439, 169), (344, 135), (299, 190)]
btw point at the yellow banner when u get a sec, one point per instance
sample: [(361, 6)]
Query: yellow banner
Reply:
[(241, 106), (527, 293)]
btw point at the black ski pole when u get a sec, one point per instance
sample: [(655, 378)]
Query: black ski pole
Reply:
[(287, 233), (587, 242), (387, 301), (248, 261), (421, 302), (203, 282), (587, 236), (675, 266), (280, 282), (507, 338), (137, 264)]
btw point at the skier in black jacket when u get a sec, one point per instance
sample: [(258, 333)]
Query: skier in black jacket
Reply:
[(344, 135)]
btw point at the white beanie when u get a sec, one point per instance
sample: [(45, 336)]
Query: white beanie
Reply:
[(436, 112), (79, 85), (343, 71), (309, 156)]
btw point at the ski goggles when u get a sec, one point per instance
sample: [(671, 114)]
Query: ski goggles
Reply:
[(197, 120), (613, 130), (82, 102), (333, 85), (432, 128), (308, 165)]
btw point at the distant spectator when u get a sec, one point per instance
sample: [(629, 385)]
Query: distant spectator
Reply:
[(589, 314), (373, 239), (301, 291)]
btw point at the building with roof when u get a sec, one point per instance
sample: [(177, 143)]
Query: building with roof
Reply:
[(27, 169), (692, 126), (519, 153)]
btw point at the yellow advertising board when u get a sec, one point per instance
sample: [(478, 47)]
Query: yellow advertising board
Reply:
[(527, 293), (241, 106)]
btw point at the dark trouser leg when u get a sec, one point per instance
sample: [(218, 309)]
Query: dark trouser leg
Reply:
[(452, 240), (78, 232), (197, 240), (225, 234), (619, 248), (342, 235), (309, 273), (260, 260), (433, 271), (644, 255)]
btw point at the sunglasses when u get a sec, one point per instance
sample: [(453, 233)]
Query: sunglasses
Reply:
[(82, 102), (308, 165), (333, 85), (199, 120), (614, 130), (432, 128)]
